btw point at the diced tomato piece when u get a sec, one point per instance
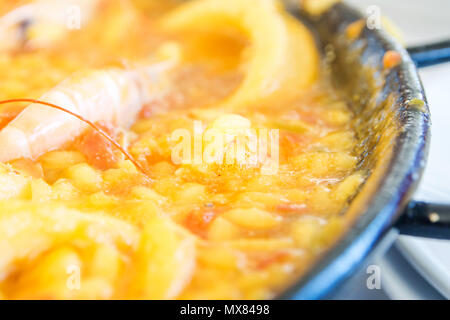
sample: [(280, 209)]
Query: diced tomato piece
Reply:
[(198, 221), (268, 260), (292, 143), (295, 138), (98, 151)]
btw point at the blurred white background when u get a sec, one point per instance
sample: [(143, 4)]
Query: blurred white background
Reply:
[(421, 21)]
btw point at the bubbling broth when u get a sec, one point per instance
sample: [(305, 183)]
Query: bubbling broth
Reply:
[(236, 162)]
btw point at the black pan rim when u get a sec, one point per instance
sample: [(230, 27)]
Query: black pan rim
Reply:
[(394, 190)]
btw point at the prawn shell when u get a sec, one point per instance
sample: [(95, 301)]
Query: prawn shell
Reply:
[(112, 95)]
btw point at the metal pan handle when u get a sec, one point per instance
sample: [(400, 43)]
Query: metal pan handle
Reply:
[(430, 54), (425, 220)]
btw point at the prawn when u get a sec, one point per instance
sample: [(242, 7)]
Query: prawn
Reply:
[(42, 21), (114, 95)]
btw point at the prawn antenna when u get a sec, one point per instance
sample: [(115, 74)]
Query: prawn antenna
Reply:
[(90, 123)]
